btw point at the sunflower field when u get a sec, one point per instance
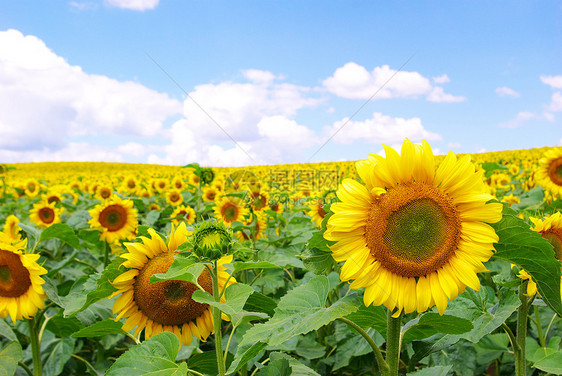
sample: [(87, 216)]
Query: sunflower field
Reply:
[(407, 264)]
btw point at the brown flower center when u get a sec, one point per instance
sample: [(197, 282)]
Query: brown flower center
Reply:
[(413, 229), (554, 237), (168, 302), (47, 215), (113, 217), (555, 171), (14, 277)]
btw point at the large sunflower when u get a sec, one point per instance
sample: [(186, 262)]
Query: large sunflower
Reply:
[(163, 306), (549, 174), (44, 214), (413, 235), (116, 218), (21, 290)]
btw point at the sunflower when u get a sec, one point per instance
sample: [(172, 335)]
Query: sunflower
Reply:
[(317, 212), (21, 291), (31, 187), (257, 228), (161, 185), (511, 199), (210, 193), (174, 198), (11, 228), (130, 185), (44, 214), (413, 235), (276, 206), (184, 213), (177, 183), (229, 210), (163, 306), (549, 174), (550, 229), (116, 218), (104, 192), (259, 201)]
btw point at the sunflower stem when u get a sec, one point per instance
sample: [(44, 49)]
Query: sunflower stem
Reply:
[(520, 361), (542, 338), (383, 366), (106, 255), (217, 320), (393, 343), (35, 347)]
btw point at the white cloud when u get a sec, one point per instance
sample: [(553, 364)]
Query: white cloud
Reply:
[(454, 145), (73, 152), (380, 129), (519, 120), (553, 81), (556, 102), (79, 6), (45, 102), (259, 76), (355, 82), (505, 91), (438, 95), (133, 148), (133, 4), (443, 79)]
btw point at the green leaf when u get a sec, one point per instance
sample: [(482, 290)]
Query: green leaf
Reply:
[(370, 317), (10, 355), (6, 331), (300, 311), (548, 359), (490, 167), (100, 329), (206, 362), (31, 231), (491, 347), (258, 302), (432, 323), (154, 357), (432, 371), (63, 327), (530, 199), (279, 367), (182, 269), (526, 248), (61, 231), (318, 261), (297, 368), (87, 291), (245, 265), (57, 353)]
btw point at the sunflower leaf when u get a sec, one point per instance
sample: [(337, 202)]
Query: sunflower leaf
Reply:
[(100, 329), (432, 323), (61, 231), (155, 356), (245, 265), (300, 311), (526, 248), (10, 355), (182, 269)]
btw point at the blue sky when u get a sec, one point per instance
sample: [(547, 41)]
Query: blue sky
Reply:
[(280, 78)]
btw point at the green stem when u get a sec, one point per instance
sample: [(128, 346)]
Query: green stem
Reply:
[(106, 255), (25, 368), (35, 347), (542, 338), (217, 320), (383, 366), (229, 340), (520, 361), (393, 342)]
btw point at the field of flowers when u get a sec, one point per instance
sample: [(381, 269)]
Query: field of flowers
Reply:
[(409, 264)]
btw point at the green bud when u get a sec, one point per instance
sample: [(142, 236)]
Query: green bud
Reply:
[(212, 240)]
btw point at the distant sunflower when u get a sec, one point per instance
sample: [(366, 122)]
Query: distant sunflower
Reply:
[(163, 306), (174, 198), (184, 213), (116, 218), (414, 236), (317, 212), (44, 214), (178, 183), (31, 187), (21, 290), (104, 192), (11, 228), (210, 193), (259, 201), (257, 227), (229, 210), (549, 174)]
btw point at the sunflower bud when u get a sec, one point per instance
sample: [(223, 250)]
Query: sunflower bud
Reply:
[(212, 240), (207, 175)]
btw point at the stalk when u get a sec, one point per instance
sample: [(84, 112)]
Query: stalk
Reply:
[(106, 255), (520, 361), (217, 320), (393, 342), (35, 347)]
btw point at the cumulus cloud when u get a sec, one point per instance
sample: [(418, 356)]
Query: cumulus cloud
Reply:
[(133, 4), (45, 101), (555, 102), (519, 120), (443, 79), (438, 95), (356, 82), (72, 152), (505, 91), (553, 81), (379, 129)]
